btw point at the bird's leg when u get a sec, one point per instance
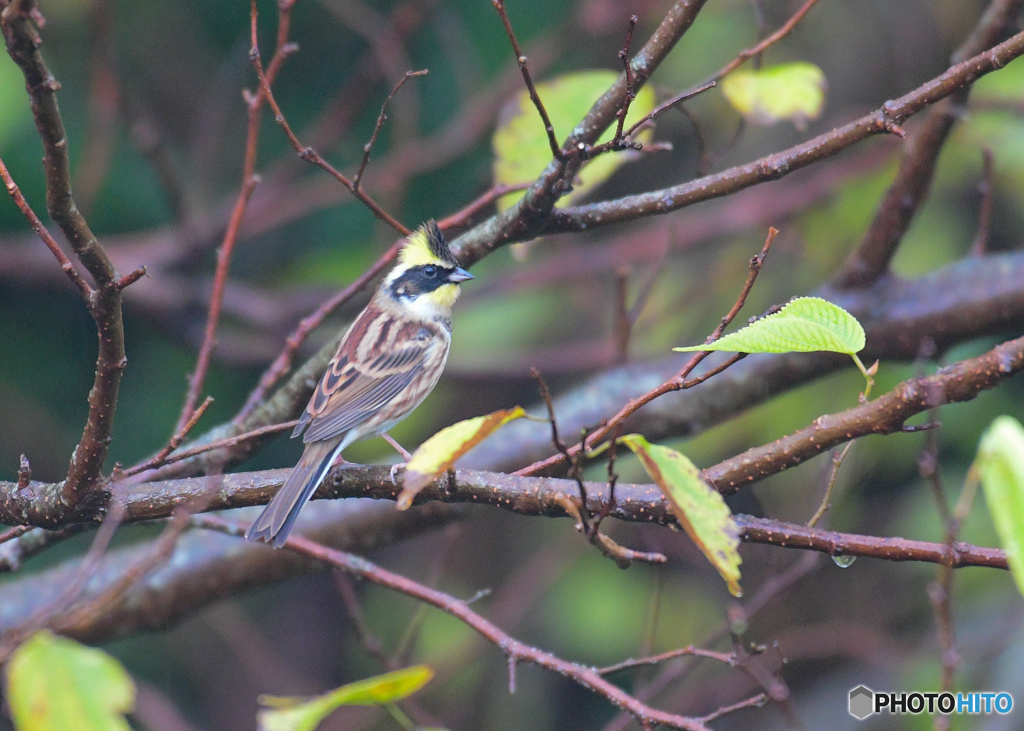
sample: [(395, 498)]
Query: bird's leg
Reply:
[(402, 451)]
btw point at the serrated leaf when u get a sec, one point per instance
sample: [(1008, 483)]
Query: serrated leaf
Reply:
[(305, 714), (56, 684), (438, 454), (1000, 463), (521, 150), (804, 325), (789, 91), (698, 507)]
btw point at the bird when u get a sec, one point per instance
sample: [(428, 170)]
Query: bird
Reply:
[(388, 361)]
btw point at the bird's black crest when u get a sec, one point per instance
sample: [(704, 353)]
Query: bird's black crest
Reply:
[(438, 245)]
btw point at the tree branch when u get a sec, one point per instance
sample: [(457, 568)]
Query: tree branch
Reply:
[(23, 44), (909, 190), (477, 243)]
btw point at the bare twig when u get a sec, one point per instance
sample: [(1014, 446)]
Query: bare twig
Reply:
[(254, 104), (66, 266), (381, 118), (728, 658), (225, 443), (630, 94), (753, 702), (833, 476), (308, 153), (161, 457), (556, 151), (784, 30), (980, 243)]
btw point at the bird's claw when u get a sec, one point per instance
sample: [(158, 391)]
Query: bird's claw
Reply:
[(394, 471)]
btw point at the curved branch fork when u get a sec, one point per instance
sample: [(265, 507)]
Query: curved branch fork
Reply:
[(104, 302)]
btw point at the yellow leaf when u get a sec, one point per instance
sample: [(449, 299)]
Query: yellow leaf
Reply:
[(305, 714), (438, 454), (697, 506), (790, 91), (57, 684)]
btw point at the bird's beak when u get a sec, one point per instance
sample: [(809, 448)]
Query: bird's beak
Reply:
[(459, 275)]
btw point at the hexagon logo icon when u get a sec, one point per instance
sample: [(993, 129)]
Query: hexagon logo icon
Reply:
[(862, 702)]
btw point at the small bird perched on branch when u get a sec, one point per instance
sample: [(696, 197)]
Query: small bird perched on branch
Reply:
[(388, 361)]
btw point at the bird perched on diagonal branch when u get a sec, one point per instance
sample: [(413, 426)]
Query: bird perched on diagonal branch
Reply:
[(388, 361)]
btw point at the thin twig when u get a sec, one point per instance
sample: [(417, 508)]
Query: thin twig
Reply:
[(381, 118), (980, 243), (66, 266), (574, 471), (308, 153), (250, 179), (556, 150), (219, 444), (161, 457), (729, 658), (753, 702), (784, 30), (826, 502), (350, 600), (629, 95), (16, 532), (670, 104), (940, 593)]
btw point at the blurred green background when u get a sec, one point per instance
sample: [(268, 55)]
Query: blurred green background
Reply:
[(151, 96)]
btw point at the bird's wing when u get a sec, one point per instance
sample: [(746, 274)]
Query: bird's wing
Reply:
[(378, 358)]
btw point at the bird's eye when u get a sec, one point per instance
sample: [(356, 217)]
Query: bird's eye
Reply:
[(429, 271)]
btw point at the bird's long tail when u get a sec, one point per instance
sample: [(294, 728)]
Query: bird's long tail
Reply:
[(275, 522)]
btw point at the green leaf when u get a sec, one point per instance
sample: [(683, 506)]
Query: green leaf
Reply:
[(521, 149), (305, 714), (1000, 464), (56, 684), (793, 91), (438, 454), (698, 507), (804, 325)]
